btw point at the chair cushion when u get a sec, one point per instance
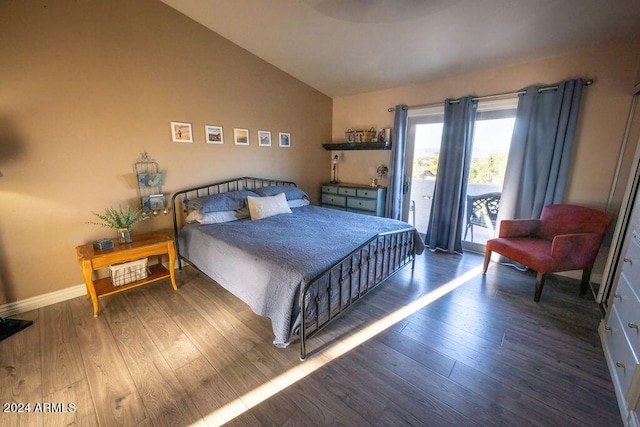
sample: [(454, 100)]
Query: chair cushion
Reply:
[(570, 219), (532, 252)]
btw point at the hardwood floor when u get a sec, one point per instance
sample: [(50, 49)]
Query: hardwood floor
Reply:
[(429, 349)]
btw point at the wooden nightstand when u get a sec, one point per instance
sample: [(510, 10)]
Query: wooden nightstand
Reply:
[(143, 246)]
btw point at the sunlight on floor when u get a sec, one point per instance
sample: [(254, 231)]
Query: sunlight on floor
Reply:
[(320, 359)]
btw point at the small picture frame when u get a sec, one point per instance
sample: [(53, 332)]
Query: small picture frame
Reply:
[(285, 139), (264, 138), (150, 179), (213, 134), (153, 202), (241, 136), (181, 132)]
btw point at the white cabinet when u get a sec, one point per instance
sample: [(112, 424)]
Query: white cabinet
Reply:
[(620, 330)]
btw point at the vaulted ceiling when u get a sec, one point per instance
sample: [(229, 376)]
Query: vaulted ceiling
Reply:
[(345, 47)]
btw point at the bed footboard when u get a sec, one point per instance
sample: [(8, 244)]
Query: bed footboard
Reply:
[(336, 289)]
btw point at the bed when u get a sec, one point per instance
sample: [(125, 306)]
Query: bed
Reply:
[(298, 264)]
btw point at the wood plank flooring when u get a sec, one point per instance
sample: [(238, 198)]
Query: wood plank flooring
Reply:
[(479, 352)]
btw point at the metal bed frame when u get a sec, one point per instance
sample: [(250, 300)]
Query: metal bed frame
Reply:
[(339, 286)]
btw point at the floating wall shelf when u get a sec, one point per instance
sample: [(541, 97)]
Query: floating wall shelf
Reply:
[(357, 146)]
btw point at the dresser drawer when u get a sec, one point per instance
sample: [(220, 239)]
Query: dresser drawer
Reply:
[(623, 360), (347, 191), (369, 194), (628, 308), (631, 262), (329, 189), (361, 204), (330, 199)]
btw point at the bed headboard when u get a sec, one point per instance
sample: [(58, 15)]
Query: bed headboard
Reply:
[(179, 209)]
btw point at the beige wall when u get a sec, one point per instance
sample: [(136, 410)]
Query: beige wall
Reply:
[(605, 108), (85, 87)]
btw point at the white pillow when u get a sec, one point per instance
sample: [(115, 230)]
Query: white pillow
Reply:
[(297, 203), (217, 217), (264, 207), (224, 216)]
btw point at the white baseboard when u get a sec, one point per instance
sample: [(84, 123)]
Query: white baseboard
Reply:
[(33, 303), (40, 301)]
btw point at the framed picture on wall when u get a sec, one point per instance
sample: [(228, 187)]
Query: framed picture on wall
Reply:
[(241, 136), (181, 132), (213, 134), (150, 179), (285, 139), (264, 138), (153, 202)]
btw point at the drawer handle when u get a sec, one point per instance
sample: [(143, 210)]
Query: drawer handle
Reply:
[(608, 328), (629, 260), (621, 365), (617, 296), (633, 326)]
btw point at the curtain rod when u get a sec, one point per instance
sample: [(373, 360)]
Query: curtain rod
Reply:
[(481, 98)]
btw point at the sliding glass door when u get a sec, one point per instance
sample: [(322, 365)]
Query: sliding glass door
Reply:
[(423, 146), (492, 139)]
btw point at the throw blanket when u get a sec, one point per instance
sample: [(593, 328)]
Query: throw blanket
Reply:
[(265, 262)]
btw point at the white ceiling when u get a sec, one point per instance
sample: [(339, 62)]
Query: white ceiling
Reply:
[(379, 44)]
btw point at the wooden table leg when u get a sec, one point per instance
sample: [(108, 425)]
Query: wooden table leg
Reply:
[(87, 273), (172, 261)]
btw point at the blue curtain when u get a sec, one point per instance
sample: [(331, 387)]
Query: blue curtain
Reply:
[(396, 182), (447, 210), (540, 153)]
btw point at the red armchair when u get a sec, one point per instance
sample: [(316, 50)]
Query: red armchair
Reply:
[(566, 237)]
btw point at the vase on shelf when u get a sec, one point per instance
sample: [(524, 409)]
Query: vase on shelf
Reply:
[(125, 235)]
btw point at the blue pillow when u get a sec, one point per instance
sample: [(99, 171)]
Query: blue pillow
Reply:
[(229, 201), (291, 192)]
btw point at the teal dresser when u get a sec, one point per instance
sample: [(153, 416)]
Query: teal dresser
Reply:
[(354, 198)]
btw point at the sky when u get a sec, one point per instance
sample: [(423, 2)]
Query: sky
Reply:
[(491, 136)]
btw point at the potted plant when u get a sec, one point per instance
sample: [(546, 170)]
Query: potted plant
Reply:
[(121, 219)]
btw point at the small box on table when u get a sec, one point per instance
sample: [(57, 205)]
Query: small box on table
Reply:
[(103, 244)]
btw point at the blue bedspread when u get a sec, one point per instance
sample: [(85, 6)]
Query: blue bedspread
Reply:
[(265, 262)]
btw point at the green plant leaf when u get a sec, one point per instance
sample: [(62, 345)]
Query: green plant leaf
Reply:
[(120, 218)]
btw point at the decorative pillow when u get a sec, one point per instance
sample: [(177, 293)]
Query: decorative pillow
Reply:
[(229, 201), (224, 216), (291, 191), (297, 203), (194, 216), (264, 207)]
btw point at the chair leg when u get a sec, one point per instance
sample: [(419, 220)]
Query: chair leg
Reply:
[(539, 285), (584, 284), (487, 258)]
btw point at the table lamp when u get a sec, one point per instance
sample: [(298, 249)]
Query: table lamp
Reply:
[(334, 169)]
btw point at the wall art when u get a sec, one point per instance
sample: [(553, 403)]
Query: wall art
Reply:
[(181, 132)]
